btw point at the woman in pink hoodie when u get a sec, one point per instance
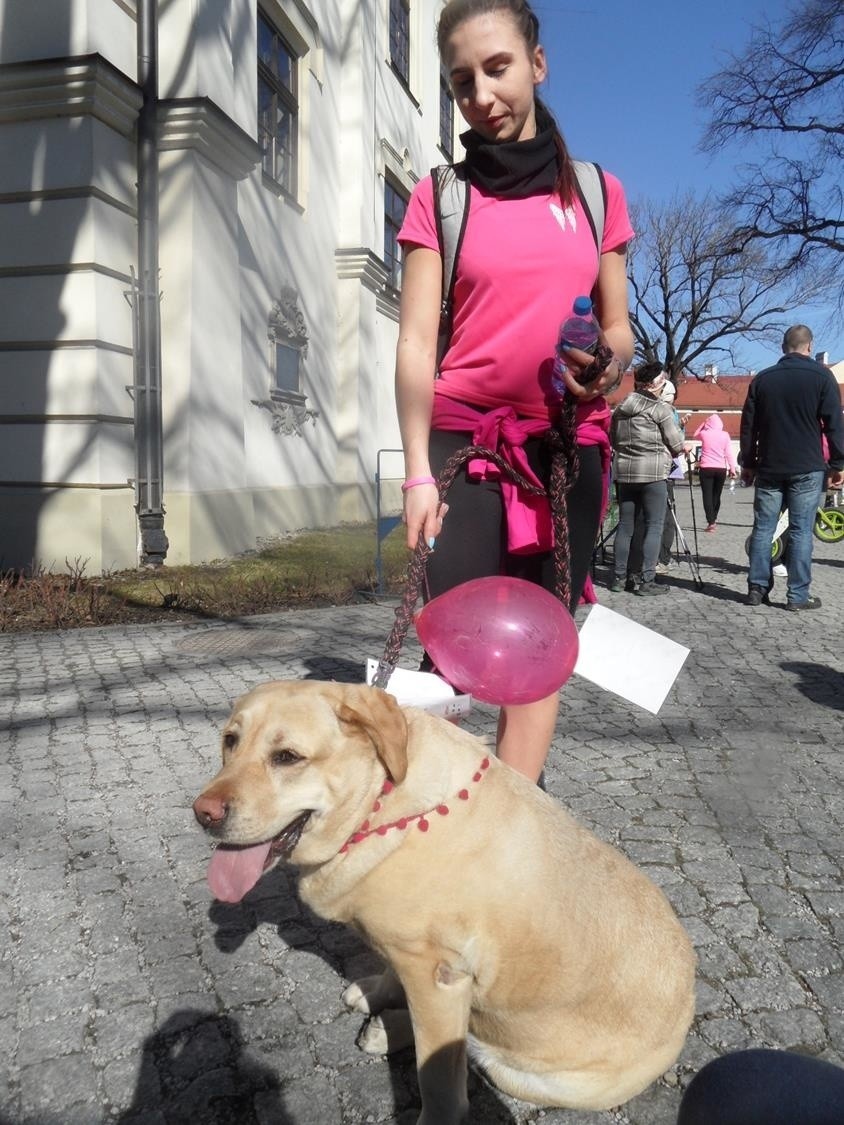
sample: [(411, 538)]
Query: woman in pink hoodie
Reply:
[(716, 460)]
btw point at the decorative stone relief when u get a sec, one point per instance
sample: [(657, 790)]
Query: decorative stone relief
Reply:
[(287, 406), (287, 417), (287, 322)]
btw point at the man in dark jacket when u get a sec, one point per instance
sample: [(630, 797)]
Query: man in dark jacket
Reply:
[(789, 407)]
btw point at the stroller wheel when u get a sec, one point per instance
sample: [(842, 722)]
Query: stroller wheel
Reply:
[(829, 525), (777, 547)]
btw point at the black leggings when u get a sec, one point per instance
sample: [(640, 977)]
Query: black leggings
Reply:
[(473, 542), (712, 485), (764, 1087)]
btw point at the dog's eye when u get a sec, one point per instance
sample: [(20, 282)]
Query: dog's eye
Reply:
[(229, 740), (284, 758)]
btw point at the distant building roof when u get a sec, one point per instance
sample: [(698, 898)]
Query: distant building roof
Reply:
[(706, 396), (725, 392)]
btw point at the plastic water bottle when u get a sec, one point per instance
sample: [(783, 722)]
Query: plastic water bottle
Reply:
[(732, 484), (581, 330)]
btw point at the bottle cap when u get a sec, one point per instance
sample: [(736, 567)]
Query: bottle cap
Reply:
[(582, 306)]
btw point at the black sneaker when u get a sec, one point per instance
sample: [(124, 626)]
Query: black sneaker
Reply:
[(650, 589), (632, 585), (810, 603), (756, 595)]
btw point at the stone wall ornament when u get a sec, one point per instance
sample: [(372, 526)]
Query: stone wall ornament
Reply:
[(287, 333), (287, 417), (287, 322)]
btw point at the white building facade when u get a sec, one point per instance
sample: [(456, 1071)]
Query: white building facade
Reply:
[(288, 138)]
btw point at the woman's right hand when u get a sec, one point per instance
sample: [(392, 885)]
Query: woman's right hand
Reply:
[(572, 366), (423, 515)]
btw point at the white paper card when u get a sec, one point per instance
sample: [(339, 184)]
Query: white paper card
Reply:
[(424, 690), (626, 658)]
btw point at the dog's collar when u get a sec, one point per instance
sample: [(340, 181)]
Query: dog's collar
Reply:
[(421, 818)]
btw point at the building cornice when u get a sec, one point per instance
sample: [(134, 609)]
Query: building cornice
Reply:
[(356, 262), (200, 125), (80, 86), (387, 303)]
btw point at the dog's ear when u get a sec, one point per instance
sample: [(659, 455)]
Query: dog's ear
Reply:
[(380, 717)]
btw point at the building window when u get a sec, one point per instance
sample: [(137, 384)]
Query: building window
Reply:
[(287, 360), (278, 106), (400, 38), (288, 335), (287, 405), (446, 118), (395, 205)]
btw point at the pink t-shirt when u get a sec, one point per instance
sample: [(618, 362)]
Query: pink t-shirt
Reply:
[(521, 265)]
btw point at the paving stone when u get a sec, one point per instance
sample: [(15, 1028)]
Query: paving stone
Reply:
[(798, 1029)]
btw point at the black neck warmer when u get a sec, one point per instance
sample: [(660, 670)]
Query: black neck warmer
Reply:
[(514, 169)]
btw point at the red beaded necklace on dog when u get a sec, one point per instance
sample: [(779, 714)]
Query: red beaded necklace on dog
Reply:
[(421, 818)]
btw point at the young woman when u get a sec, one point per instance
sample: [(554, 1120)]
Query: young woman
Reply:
[(716, 461), (528, 251)]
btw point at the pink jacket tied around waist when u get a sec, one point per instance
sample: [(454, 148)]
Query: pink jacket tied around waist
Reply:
[(529, 523)]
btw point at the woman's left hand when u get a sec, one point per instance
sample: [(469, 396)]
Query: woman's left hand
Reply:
[(573, 363)]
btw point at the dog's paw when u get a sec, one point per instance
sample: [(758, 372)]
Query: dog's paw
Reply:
[(373, 1037), (385, 1034), (370, 995), (355, 998)]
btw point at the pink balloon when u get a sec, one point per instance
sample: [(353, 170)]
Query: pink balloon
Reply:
[(503, 640)]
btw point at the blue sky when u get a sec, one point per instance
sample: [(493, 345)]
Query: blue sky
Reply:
[(622, 82)]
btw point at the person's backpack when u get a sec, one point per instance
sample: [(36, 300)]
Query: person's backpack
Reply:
[(451, 212)]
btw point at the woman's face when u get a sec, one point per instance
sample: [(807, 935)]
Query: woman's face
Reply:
[(493, 75)]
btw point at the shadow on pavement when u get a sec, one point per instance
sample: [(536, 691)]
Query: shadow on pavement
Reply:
[(194, 1069), (818, 682), (335, 668), (274, 901)]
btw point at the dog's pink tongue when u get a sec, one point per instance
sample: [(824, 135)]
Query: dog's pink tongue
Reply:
[(234, 871)]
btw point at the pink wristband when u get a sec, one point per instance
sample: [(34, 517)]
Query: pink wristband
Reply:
[(413, 481)]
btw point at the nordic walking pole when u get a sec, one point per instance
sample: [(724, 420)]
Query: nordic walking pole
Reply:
[(692, 499)]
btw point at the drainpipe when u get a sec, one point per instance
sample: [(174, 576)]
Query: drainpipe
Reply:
[(149, 456)]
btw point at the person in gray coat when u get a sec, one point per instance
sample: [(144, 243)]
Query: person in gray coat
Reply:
[(645, 439)]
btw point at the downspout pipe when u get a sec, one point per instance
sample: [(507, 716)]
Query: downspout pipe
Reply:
[(149, 443)]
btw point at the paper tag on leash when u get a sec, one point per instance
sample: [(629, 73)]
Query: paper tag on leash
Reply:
[(624, 657), (424, 690)]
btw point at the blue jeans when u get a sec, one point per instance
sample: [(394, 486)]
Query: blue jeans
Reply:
[(648, 501), (801, 495)]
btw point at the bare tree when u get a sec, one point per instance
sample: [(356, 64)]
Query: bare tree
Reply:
[(698, 291), (785, 94)]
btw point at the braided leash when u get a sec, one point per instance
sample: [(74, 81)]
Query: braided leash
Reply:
[(565, 466)]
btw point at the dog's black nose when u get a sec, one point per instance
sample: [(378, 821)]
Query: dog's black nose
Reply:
[(210, 811)]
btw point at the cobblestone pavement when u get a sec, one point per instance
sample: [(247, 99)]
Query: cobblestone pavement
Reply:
[(127, 995)]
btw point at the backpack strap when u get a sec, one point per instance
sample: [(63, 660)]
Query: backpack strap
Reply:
[(592, 191), (451, 213)]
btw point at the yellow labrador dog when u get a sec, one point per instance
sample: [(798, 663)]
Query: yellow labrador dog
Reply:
[(506, 927)]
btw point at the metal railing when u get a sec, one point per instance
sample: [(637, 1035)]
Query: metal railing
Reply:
[(383, 524)]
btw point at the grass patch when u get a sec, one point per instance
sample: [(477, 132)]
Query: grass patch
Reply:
[(311, 568)]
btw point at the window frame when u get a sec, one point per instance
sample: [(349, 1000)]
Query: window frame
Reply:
[(446, 144), (286, 96), (286, 329), (393, 259), (400, 40)]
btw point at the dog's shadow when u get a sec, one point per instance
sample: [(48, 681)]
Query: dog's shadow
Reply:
[(274, 902)]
